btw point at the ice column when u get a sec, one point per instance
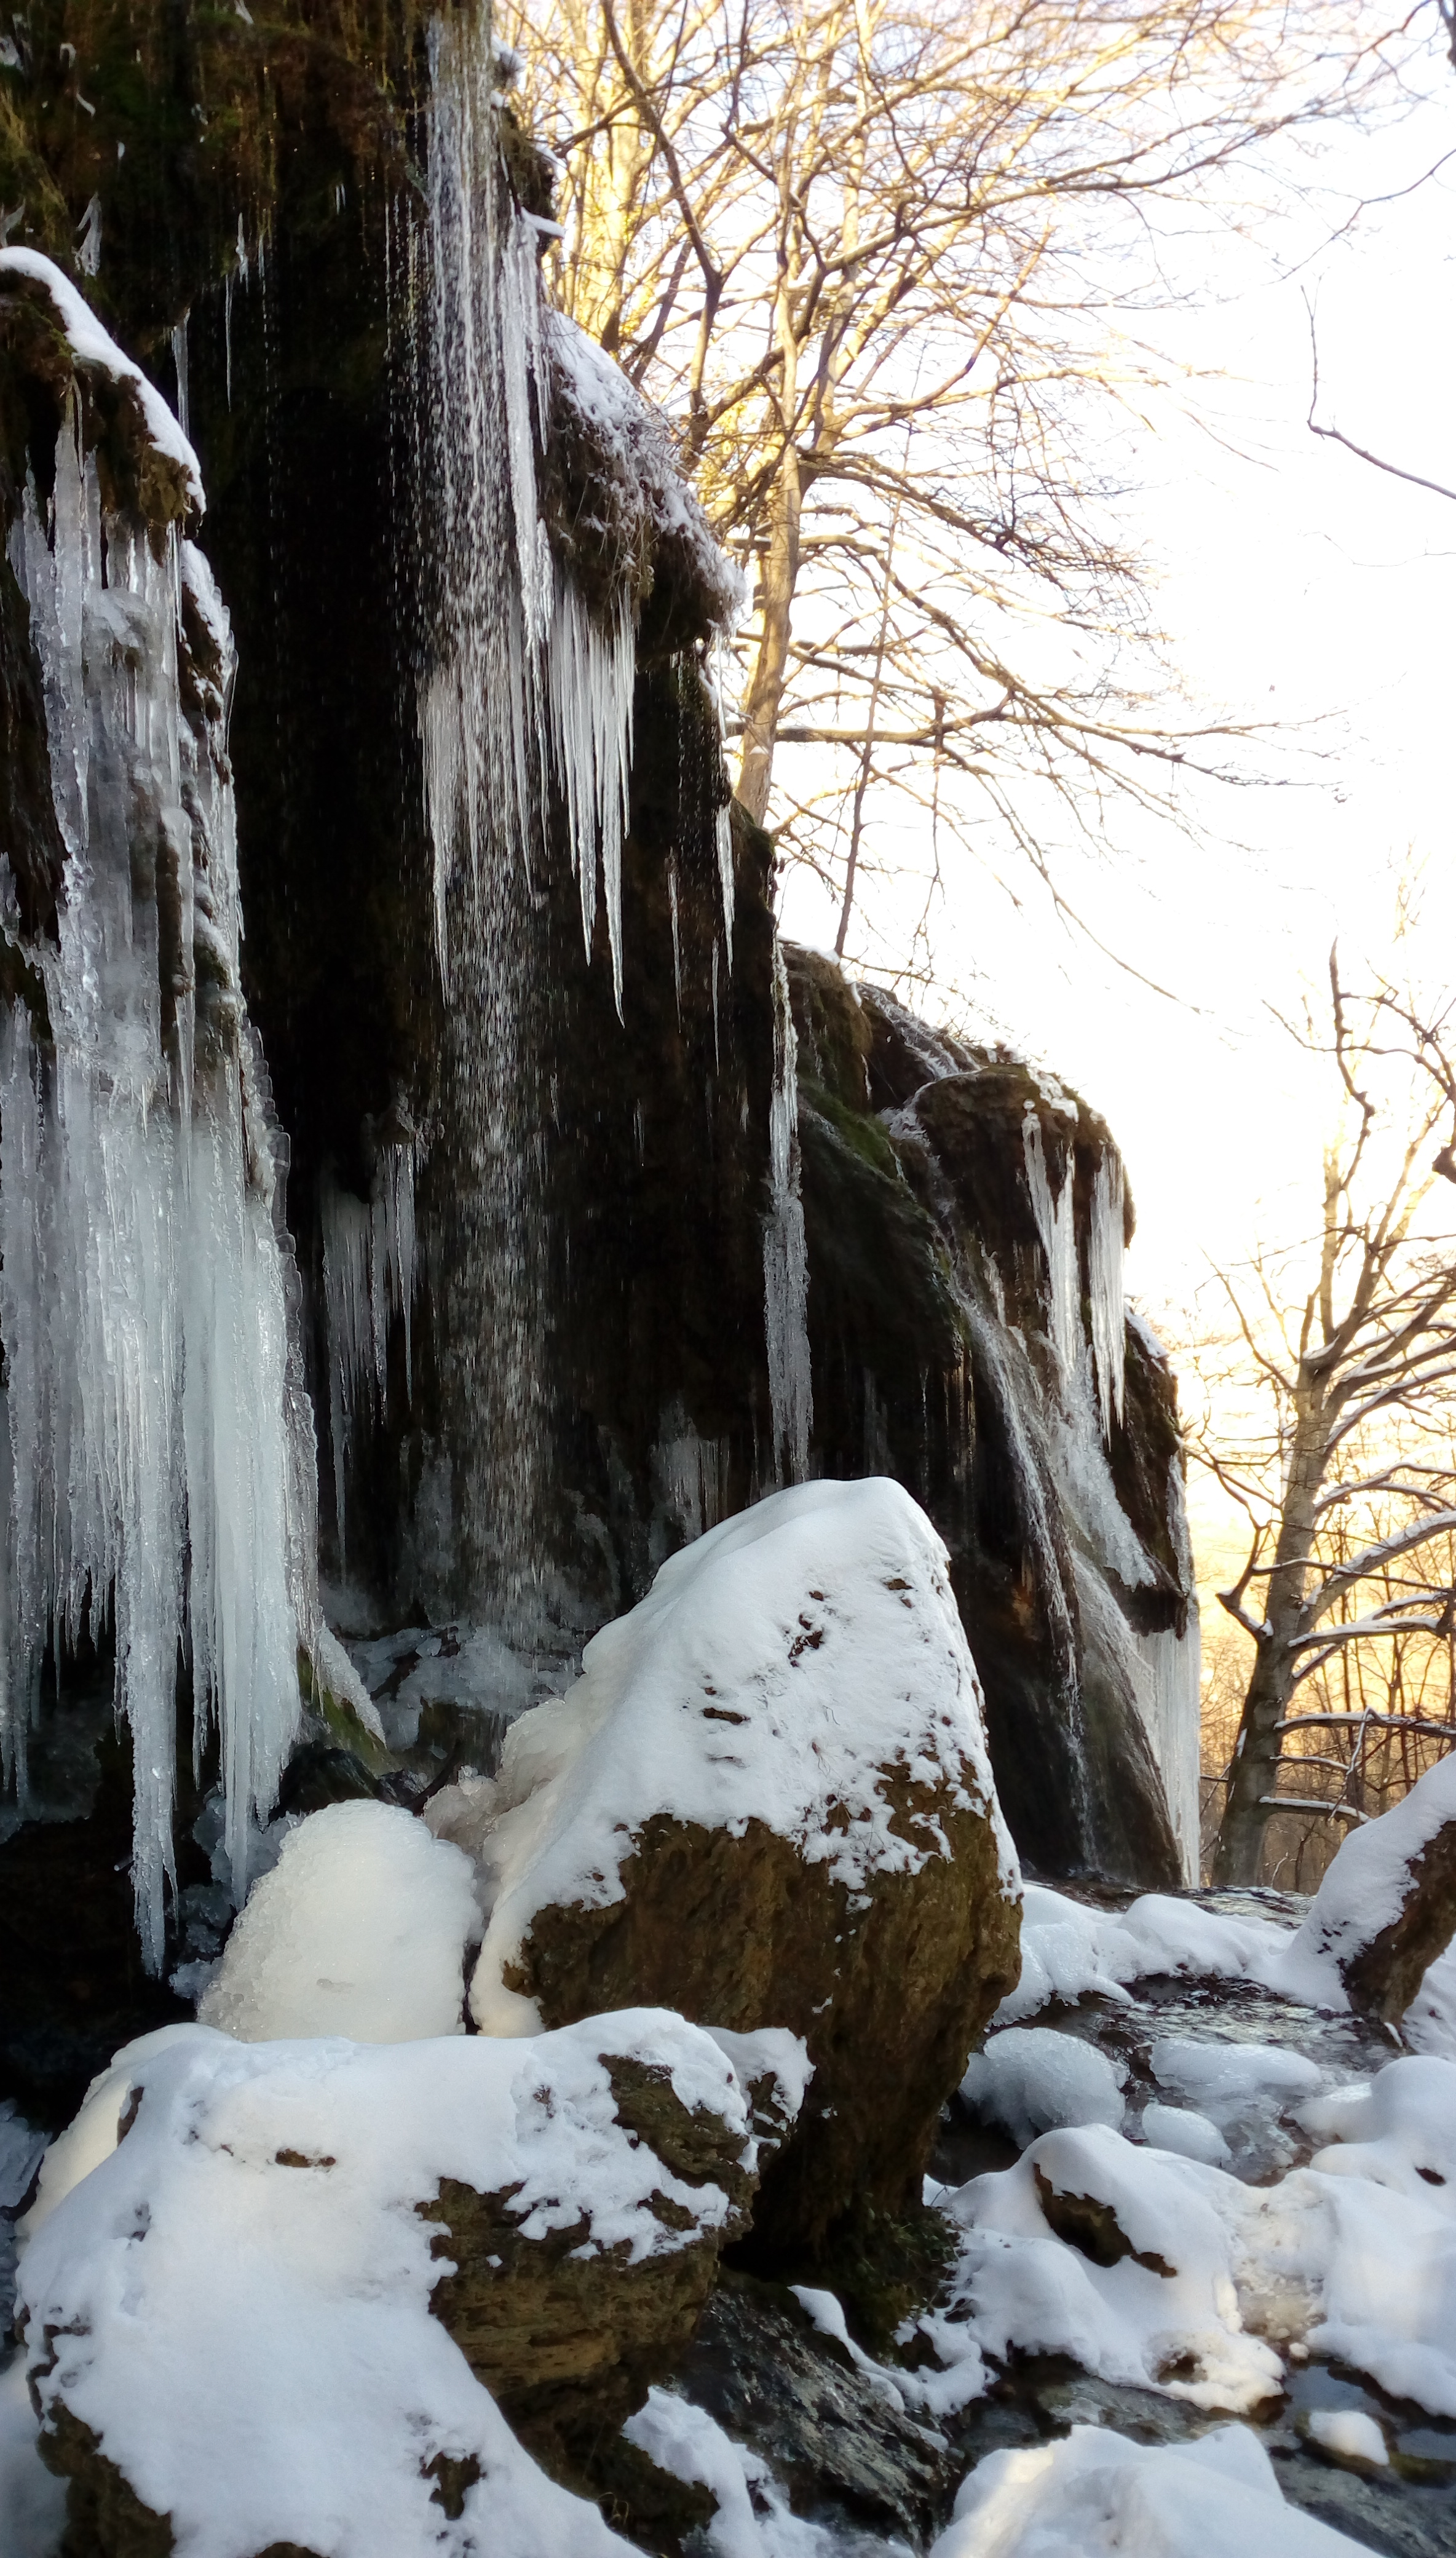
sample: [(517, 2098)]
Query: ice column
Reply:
[(156, 1459), (1104, 1273), (368, 1276), (1055, 1223), (527, 684), (786, 1259)]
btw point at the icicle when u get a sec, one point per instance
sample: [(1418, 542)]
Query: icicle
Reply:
[(676, 934), (179, 360), (1104, 1276), (368, 1276), (527, 682), (1055, 1223), (1169, 1683), (785, 1257), (154, 1434), (725, 878)]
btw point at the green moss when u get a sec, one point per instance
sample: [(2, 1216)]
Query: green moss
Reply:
[(865, 1136), (886, 2268), (343, 1722)]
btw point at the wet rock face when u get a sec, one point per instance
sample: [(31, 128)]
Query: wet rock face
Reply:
[(926, 1262), (833, 2437)]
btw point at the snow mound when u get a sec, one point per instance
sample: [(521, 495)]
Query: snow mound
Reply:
[(1163, 2272), (92, 350), (248, 2265), (1032, 2080), (1095, 2493), (1186, 2133), (1070, 1952), (1120, 2257), (361, 1929), (778, 1671)]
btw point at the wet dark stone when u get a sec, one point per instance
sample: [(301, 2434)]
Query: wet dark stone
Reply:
[(834, 2439)]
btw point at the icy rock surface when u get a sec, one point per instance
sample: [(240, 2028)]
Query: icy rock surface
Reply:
[(1095, 2493), (361, 1929), (248, 2264), (160, 1454)]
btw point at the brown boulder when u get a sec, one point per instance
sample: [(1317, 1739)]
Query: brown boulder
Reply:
[(767, 1803)]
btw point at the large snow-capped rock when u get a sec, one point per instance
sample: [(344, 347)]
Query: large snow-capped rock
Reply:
[(767, 1801), (1385, 1910), (374, 2262)]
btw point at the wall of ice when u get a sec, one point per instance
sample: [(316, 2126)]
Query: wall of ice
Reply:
[(156, 1451), (1087, 1324)]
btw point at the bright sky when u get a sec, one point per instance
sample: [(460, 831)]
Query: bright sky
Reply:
[(1298, 583)]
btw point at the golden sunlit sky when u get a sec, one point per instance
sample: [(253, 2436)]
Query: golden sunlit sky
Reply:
[(1297, 584)]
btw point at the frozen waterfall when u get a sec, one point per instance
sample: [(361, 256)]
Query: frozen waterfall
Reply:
[(785, 1255), (1055, 1211), (158, 1459)]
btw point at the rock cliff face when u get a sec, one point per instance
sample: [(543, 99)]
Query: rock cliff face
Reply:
[(584, 1266)]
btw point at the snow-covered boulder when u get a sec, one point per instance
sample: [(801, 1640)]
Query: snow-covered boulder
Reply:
[(361, 1929), (1386, 1908), (1096, 2493), (767, 1803), (374, 2261)]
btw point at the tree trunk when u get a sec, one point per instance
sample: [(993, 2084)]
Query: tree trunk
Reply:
[(1256, 1768), (1253, 1777), (779, 577)]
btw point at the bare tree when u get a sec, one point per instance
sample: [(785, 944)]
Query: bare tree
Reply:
[(877, 260), (1349, 1482)]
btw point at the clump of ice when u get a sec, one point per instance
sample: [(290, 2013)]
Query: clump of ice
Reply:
[(1096, 2494), (1033, 2079), (1186, 2133), (248, 2266), (775, 1672), (361, 1929), (1350, 2435), (1163, 2315), (1243, 2088)]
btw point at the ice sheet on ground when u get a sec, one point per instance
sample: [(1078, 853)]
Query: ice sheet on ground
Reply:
[(361, 1929), (776, 1669), (1094, 2494), (1030, 2080), (282, 2293)]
